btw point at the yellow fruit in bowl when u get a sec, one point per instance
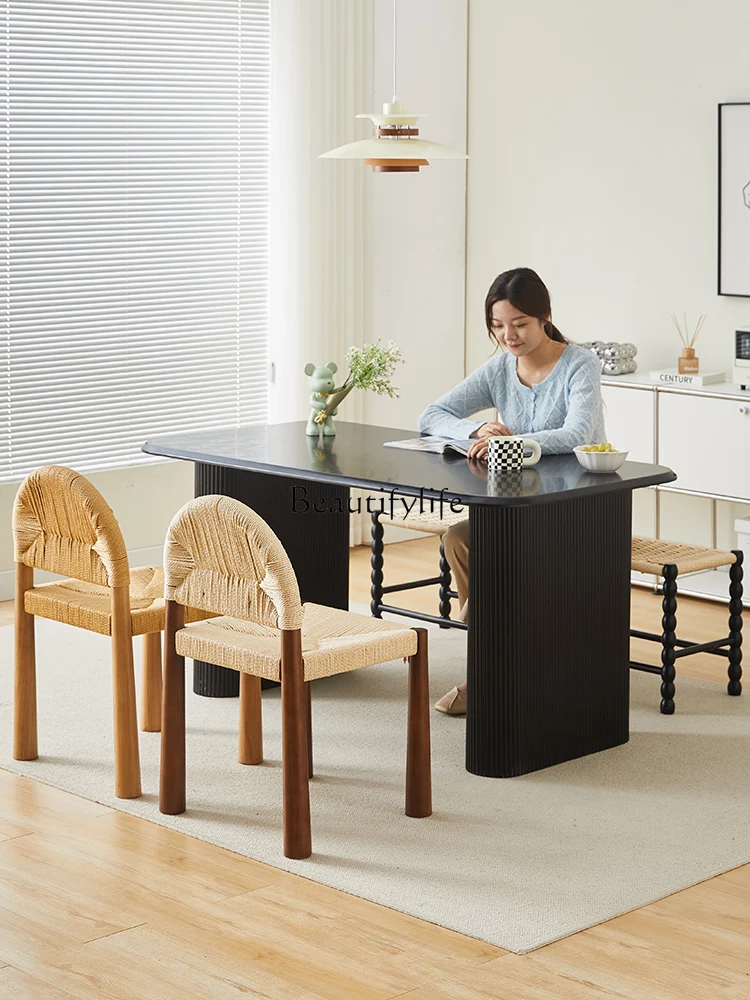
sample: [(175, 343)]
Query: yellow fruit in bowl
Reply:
[(602, 446)]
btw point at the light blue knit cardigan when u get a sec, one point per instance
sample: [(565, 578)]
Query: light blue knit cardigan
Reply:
[(562, 411)]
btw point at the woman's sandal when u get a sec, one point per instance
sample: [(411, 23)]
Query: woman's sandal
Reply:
[(453, 703)]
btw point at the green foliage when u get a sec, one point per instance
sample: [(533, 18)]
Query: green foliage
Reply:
[(372, 366)]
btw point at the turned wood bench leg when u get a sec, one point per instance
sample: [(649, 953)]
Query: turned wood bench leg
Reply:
[(376, 564), (669, 628), (445, 585), (734, 687)]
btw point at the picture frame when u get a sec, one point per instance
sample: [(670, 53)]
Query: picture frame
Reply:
[(734, 199)]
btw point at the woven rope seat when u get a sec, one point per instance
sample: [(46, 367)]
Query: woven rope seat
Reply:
[(649, 555), (333, 642), (430, 521), (89, 606)]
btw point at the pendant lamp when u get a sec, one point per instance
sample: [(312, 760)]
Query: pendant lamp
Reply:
[(394, 147)]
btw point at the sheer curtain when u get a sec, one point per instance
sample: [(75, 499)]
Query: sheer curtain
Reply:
[(321, 78)]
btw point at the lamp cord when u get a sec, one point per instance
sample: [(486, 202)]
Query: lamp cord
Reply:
[(395, 98)]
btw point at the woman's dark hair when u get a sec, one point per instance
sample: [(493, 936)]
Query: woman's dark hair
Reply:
[(525, 290)]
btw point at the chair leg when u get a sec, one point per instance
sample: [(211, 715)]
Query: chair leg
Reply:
[(172, 768), (151, 683), (445, 585), (297, 835), (418, 768), (376, 563), (25, 745), (734, 687), (251, 721), (127, 762), (308, 700), (669, 626)]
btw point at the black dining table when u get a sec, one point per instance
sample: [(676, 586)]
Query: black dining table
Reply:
[(549, 569)]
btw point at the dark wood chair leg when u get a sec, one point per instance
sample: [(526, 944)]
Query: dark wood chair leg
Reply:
[(376, 563), (669, 627), (250, 749), (308, 701), (445, 586), (297, 835), (418, 767), (734, 687), (172, 770), (151, 683)]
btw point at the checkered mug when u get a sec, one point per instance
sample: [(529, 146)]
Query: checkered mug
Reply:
[(506, 454)]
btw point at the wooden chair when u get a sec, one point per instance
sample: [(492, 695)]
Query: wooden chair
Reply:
[(61, 523), (431, 523), (220, 555), (668, 560)]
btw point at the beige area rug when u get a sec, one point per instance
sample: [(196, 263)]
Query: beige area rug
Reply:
[(517, 862)]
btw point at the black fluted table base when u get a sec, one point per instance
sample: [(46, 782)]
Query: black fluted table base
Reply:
[(548, 646), (316, 543)]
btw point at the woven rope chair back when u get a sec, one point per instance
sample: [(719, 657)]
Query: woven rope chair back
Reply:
[(61, 523), (222, 557)]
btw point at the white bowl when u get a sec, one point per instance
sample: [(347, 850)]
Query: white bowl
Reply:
[(600, 461)]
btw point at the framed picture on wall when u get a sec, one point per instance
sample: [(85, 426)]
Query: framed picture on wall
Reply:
[(734, 199)]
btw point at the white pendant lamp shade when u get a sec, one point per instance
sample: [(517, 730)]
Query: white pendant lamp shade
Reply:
[(394, 146)]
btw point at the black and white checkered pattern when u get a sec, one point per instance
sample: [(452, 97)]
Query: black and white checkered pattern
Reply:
[(505, 484), (505, 454)]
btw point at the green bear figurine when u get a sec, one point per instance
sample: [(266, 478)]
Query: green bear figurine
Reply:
[(322, 383)]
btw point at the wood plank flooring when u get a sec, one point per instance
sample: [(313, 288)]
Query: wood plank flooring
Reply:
[(98, 904)]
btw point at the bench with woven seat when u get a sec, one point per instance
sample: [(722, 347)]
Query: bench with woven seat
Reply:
[(651, 556), (669, 559), (432, 523)]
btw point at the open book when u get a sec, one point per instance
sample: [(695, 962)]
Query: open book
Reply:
[(436, 445)]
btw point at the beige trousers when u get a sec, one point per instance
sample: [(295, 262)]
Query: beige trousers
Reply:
[(456, 545)]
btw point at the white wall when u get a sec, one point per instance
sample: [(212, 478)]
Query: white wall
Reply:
[(416, 222), (593, 137), (593, 144)]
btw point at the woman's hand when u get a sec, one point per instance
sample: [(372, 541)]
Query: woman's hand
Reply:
[(492, 429), (478, 451)]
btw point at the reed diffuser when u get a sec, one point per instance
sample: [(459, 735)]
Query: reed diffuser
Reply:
[(687, 363)]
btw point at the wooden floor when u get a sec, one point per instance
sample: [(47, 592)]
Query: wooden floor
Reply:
[(95, 903)]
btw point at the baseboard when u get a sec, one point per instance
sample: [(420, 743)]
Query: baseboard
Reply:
[(149, 556)]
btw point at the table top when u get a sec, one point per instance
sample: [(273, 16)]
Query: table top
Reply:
[(356, 457)]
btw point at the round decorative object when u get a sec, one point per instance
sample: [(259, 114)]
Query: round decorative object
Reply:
[(616, 359)]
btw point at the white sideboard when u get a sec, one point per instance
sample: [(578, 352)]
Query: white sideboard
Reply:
[(703, 433)]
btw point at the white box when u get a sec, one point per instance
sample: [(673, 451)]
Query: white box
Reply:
[(742, 527)]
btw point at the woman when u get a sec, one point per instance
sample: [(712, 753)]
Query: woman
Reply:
[(542, 386)]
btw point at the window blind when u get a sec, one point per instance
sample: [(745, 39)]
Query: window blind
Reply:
[(136, 193)]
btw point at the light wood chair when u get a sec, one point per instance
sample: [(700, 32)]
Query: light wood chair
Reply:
[(61, 523), (221, 556)]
